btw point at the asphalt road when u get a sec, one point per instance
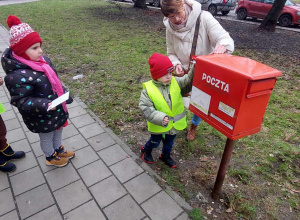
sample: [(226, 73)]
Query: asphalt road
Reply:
[(232, 16)]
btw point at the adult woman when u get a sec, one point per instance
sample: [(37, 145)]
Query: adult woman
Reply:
[(180, 22)]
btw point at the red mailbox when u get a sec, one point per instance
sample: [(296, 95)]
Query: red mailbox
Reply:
[(231, 93)]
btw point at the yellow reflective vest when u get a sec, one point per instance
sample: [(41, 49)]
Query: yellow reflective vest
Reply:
[(2, 109), (176, 115)]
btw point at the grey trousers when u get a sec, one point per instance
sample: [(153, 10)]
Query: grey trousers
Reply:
[(51, 141)]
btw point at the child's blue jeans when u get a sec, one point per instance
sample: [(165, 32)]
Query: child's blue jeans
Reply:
[(155, 140), (196, 120)]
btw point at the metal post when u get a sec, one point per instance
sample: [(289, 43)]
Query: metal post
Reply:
[(222, 169)]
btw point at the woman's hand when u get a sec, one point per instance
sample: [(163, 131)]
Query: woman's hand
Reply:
[(165, 120), (1, 81), (219, 49), (179, 70)]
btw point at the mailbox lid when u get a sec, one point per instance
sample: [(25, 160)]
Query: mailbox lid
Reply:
[(248, 68)]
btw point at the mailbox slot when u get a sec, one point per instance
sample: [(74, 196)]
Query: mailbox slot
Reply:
[(260, 87)]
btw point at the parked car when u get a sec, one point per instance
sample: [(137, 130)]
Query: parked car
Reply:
[(214, 6), (155, 3), (290, 14)]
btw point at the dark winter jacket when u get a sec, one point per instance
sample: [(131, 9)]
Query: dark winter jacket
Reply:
[(31, 92)]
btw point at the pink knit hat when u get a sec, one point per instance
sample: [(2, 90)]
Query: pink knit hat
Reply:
[(160, 65), (21, 35)]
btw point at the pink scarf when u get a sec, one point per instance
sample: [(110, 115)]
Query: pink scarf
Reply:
[(43, 66)]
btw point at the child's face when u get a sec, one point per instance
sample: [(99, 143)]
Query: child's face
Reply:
[(166, 78), (34, 52)]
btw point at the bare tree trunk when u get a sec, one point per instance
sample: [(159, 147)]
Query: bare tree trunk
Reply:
[(140, 4), (270, 21)]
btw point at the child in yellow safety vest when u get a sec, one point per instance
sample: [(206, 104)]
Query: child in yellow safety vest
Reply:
[(162, 105)]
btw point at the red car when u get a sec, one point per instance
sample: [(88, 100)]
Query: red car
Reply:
[(260, 8)]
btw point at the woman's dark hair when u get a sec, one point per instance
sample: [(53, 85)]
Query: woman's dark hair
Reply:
[(171, 6)]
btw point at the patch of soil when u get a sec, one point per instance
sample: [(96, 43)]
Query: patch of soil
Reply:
[(246, 36)]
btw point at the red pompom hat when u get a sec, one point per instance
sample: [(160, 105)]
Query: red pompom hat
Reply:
[(160, 65), (21, 36)]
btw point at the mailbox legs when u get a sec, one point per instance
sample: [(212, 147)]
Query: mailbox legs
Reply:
[(222, 169)]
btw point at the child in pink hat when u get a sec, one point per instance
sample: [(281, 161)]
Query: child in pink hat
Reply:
[(33, 84)]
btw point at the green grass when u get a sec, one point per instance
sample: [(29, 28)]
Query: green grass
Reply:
[(196, 214), (172, 178), (110, 45)]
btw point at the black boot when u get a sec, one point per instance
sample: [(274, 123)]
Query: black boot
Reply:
[(8, 154), (146, 155), (7, 167), (168, 160)]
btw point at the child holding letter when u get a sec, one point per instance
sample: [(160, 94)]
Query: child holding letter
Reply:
[(33, 84)]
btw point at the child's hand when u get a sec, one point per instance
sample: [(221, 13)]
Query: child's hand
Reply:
[(1, 81), (52, 109), (165, 120), (179, 70)]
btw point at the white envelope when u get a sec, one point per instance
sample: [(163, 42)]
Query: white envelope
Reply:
[(59, 100)]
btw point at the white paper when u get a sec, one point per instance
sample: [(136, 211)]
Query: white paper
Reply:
[(59, 100), (200, 100)]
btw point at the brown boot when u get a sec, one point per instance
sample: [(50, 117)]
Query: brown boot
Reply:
[(191, 132), (57, 161), (62, 152)]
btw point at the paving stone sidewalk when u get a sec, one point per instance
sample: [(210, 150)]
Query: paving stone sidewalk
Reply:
[(10, 2), (105, 180)]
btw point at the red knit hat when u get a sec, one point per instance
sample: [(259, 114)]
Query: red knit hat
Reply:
[(160, 65), (21, 35)]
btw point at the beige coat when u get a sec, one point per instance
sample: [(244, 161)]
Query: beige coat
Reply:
[(211, 33)]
